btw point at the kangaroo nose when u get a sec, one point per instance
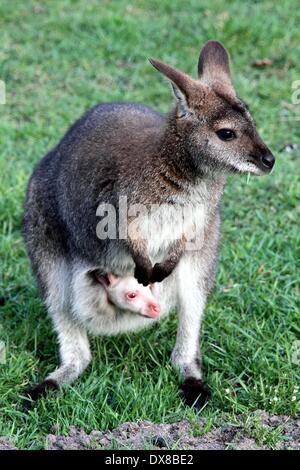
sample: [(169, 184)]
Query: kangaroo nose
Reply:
[(154, 310), (268, 160)]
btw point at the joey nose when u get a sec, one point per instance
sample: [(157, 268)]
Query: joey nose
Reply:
[(154, 310), (268, 160)]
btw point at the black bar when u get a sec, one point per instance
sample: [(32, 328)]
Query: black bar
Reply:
[(147, 459)]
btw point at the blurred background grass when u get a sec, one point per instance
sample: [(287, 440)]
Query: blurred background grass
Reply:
[(59, 58)]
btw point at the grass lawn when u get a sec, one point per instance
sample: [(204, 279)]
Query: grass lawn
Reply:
[(59, 58)]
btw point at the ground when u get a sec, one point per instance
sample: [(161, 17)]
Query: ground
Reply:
[(252, 431), (58, 59)]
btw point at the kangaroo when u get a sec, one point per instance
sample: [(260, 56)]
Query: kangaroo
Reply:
[(164, 165)]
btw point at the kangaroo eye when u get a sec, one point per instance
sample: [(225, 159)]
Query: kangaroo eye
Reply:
[(226, 134), (131, 295)]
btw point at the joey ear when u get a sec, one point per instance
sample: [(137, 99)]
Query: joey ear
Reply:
[(182, 84), (107, 280), (213, 64), (112, 279)]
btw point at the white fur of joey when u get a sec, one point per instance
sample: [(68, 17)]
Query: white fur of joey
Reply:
[(127, 294)]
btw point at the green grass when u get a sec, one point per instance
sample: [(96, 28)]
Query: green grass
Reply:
[(58, 59)]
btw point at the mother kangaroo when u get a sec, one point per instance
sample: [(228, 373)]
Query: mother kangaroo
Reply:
[(170, 171)]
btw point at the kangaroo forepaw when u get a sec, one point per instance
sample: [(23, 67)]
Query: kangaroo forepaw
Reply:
[(194, 392), (159, 272), (143, 274), (38, 391)]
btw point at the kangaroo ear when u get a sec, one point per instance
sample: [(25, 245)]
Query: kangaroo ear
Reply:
[(181, 83), (213, 64)]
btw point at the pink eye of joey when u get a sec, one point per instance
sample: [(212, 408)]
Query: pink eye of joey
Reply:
[(131, 295)]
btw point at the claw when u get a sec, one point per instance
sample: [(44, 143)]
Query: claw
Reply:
[(194, 392)]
